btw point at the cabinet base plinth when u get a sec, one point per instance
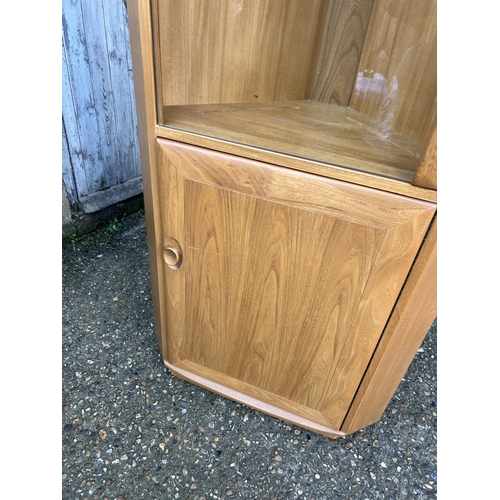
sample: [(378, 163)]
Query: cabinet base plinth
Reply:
[(253, 397)]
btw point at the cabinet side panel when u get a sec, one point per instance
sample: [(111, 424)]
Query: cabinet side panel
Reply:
[(410, 321), (171, 193), (426, 174), (142, 62)]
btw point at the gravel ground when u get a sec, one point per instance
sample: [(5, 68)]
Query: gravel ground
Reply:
[(132, 430)]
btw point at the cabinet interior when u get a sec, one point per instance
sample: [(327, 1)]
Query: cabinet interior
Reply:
[(349, 83)]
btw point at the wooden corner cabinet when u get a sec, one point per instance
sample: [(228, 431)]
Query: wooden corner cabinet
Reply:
[(288, 150)]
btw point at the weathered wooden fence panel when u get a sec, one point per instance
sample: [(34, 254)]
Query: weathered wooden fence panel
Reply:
[(101, 163)]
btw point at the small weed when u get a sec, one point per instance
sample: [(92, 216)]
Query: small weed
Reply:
[(113, 226), (90, 239)]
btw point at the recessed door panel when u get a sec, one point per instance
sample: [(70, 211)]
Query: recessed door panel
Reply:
[(272, 289), (287, 279)]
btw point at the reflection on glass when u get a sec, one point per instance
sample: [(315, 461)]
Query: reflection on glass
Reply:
[(343, 83)]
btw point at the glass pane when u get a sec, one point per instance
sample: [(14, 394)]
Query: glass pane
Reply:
[(349, 83)]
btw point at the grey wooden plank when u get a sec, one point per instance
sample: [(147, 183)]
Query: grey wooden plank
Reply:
[(98, 102), (100, 78), (133, 109), (72, 132), (79, 76), (96, 201), (119, 60), (67, 169)]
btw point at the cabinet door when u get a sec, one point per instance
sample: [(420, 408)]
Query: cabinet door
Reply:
[(285, 280)]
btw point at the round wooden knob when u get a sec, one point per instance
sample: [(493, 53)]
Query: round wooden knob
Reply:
[(171, 256), (172, 253)]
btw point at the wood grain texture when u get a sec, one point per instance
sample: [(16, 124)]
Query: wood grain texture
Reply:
[(155, 26), (342, 38), (413, 315), (75, 171), (271, 287), (171, 223), (400, 47), (289, 277), (78, 99), (303, 165), (120, 68), (233, 51), (380, 295), (67, 174), (323, 132), (139, 16), (426, 174), (98, 102)]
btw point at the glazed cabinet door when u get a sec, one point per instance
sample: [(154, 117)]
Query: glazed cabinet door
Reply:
[(278, 283)]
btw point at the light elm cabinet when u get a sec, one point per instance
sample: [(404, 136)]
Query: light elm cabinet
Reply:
[(289, 170)]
